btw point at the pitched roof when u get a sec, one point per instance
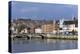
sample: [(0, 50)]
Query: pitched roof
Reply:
[(70, 22)]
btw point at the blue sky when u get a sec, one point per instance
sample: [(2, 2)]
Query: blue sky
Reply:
[(43, 10)]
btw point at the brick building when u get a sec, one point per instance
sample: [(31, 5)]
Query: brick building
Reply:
[(48, 27)]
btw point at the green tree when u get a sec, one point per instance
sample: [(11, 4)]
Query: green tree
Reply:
[(20, 27)]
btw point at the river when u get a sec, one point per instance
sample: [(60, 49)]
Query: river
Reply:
[(24, 45)]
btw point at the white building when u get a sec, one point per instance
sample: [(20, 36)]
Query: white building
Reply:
[(38, 30), (68, 26), (24, 31), (13, 29), (54, 31), (61, 23)]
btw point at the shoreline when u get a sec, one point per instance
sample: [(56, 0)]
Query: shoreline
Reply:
[(47, 37)]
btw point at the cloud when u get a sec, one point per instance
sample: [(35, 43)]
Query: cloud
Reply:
[(28, 9)]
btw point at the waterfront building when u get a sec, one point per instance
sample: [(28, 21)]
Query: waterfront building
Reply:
[(24, 31), (38, 30), (66, 26), (48, 27), (70, 26)]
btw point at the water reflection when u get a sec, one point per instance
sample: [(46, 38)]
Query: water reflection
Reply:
[(24, 45)]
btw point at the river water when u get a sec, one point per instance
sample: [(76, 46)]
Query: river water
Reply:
[(24, 45)]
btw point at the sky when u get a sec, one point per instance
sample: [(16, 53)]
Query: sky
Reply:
[(47, 11)]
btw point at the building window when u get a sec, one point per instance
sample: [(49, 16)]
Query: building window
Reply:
[(60, 28)]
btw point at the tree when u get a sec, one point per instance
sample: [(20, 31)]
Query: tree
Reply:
[(20, 27), (73, 32)]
